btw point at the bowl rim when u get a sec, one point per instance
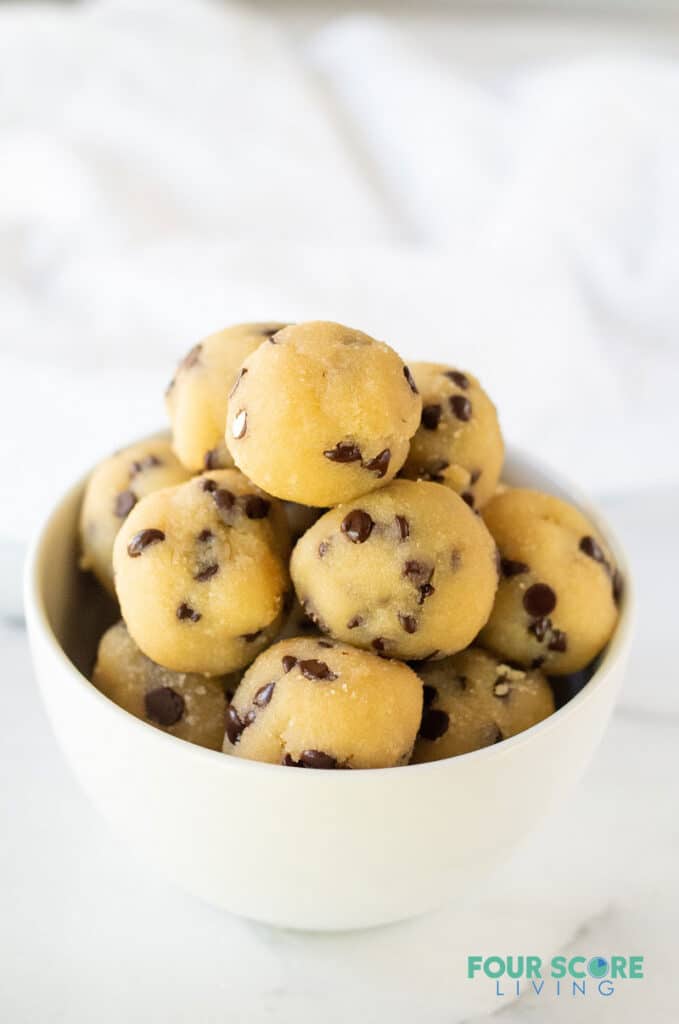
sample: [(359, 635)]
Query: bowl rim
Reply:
[(39, 625)]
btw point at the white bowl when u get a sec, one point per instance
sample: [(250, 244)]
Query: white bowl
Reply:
[(314, 849)]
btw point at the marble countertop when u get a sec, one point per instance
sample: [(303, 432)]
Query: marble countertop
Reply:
[(87, 932)]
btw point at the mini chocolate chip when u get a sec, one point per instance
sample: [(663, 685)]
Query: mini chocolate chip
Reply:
[(164, 705), (411, 380), (256, 507), (205, 535), (379, 644), (417, 572), (458, 378), (124, 503), (317, 759), (357, 526), (558, 642), (461, 406), (434, 723), (468, 498), (475, 476), (429, 694), (251, 637), (234, 725), (501, 688), (323, 548), (288, 662), (209, 485), (426, 590), (223, 499), (590, 547), (211, 459), (240, 424), (540, 627), (315, 670), (148, 462), (431, 416), (539, 600), (494, 735), (143, 540), (403, 527), (207, 573), (380, 464), (344, 451), (357, 620), (185, 611), (511, 567), (618, 585), (241, 373), (264, 695), (537, 662), (325, 643), (290, 762), (408, 622)]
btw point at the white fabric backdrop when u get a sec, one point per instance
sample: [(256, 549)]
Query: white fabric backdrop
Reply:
[(168, 169)]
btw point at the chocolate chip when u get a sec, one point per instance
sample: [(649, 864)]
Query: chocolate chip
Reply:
[(501, 688), (558, 642), (431, 416), (315, 670), (461, 406), (241, 373), (357, 620), (185, 611), (475, 476), (223, 499), (426, 590), (325, 643), (408, 622), (207, 573), (256, 507), (493, 735), (511, 567), (205, 535), (590, 547), (379, 644), (539, 600), (458, 378), (209, 485), (148, 462), (290, 762), (124, 503), (344, 451), (411, 381), (357, 526), (239, 425), (540, 628), (251, 637), (618, 586), (143, 540), (537, 662), (164, 705), (429, 695), (288, 662), (317, 759), (403, 527), (468, 498), (264, 695), (417, 572), (211, 459), (434, 724), (380, 464), (191, 358), (234, 725)]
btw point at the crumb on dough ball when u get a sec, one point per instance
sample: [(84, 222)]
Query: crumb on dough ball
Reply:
[(190, 706), (459, 442), (322, 414), (408, 571), (113, 489), (200, 575), (198, 395), (314, 703), (557, 602), (473, 700)]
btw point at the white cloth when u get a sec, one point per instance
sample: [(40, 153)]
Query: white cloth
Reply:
[(168, 169)]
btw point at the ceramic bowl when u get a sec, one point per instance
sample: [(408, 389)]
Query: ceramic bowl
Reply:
[(301, 849)]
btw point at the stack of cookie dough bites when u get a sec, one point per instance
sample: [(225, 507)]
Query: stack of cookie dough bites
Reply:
[(320, 568)]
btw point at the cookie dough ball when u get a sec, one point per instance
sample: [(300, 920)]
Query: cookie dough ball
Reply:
[(190, 706), (473, 700), (112, 491), (198, 395), (409, 571), (458, 442), (199, 574), (556, 605), (318, 704), (322, 414)]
